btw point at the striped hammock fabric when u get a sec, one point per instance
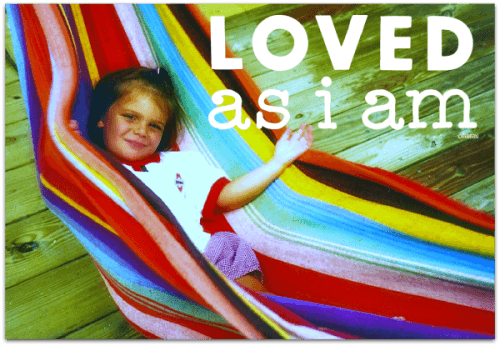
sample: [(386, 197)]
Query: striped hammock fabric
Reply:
[(338, 265)]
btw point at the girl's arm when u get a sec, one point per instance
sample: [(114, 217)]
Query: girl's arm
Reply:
[(245, 189)]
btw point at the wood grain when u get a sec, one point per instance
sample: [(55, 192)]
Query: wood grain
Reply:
[(22, 196), (57, 302), (480, 196), (18, 145), (36, 245), (454, 170), (113, 326), (349, 88)]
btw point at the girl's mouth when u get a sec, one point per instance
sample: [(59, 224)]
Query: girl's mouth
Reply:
[(135, 145)]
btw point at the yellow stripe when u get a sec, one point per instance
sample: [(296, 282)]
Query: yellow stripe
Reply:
[(75, 205), (413, 224), (72, 35), (84, 39)]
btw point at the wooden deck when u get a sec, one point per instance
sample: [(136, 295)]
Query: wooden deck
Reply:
[(54, 291)]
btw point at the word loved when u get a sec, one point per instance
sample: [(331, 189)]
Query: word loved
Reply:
[(341, 55), (371, 98)]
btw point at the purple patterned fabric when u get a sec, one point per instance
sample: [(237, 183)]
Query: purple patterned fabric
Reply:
[(232, 255)]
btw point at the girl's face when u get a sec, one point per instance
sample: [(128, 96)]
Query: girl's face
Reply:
[(134, 124)]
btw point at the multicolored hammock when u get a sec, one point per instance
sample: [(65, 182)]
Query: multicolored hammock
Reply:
[(338, 265)]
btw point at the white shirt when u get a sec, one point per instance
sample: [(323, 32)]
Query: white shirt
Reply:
[(183, 180)]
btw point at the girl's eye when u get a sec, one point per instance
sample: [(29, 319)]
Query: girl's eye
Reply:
[(157, 127), (128, 116)]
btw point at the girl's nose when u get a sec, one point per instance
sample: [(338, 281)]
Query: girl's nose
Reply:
[(140, 129)]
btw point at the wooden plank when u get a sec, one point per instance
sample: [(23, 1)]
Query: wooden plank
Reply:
[(366, 59), (474, 79), (458, 168), (11, 74), (14, 104), (399, 149), (350, 87), (22, 196), (480, 196), (114, 326), (57, 302), (18, 145), (36, 245), (349, 90)]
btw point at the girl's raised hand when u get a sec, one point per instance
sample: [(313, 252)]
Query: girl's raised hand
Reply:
[(292, 145)]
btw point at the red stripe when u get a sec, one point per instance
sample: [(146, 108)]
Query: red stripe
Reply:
[(38, 54), (110, 45), (305, 284)]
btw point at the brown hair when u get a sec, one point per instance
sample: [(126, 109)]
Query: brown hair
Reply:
[(116, 84)]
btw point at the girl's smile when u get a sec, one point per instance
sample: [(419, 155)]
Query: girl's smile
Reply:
[(136, 145), (133, 126)]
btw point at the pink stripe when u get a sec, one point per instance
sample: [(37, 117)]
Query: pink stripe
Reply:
[(135, 35), (156, 326)]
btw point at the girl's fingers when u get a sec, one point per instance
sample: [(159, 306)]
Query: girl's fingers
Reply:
[(297, 134), (309, 134), (287, 133), (304, 132)]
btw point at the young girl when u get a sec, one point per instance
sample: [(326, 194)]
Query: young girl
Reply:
[(134, 116)]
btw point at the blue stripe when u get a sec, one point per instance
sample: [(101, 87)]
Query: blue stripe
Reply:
[(369, 326)]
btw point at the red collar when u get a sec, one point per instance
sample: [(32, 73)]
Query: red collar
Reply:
[(139, 165)]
